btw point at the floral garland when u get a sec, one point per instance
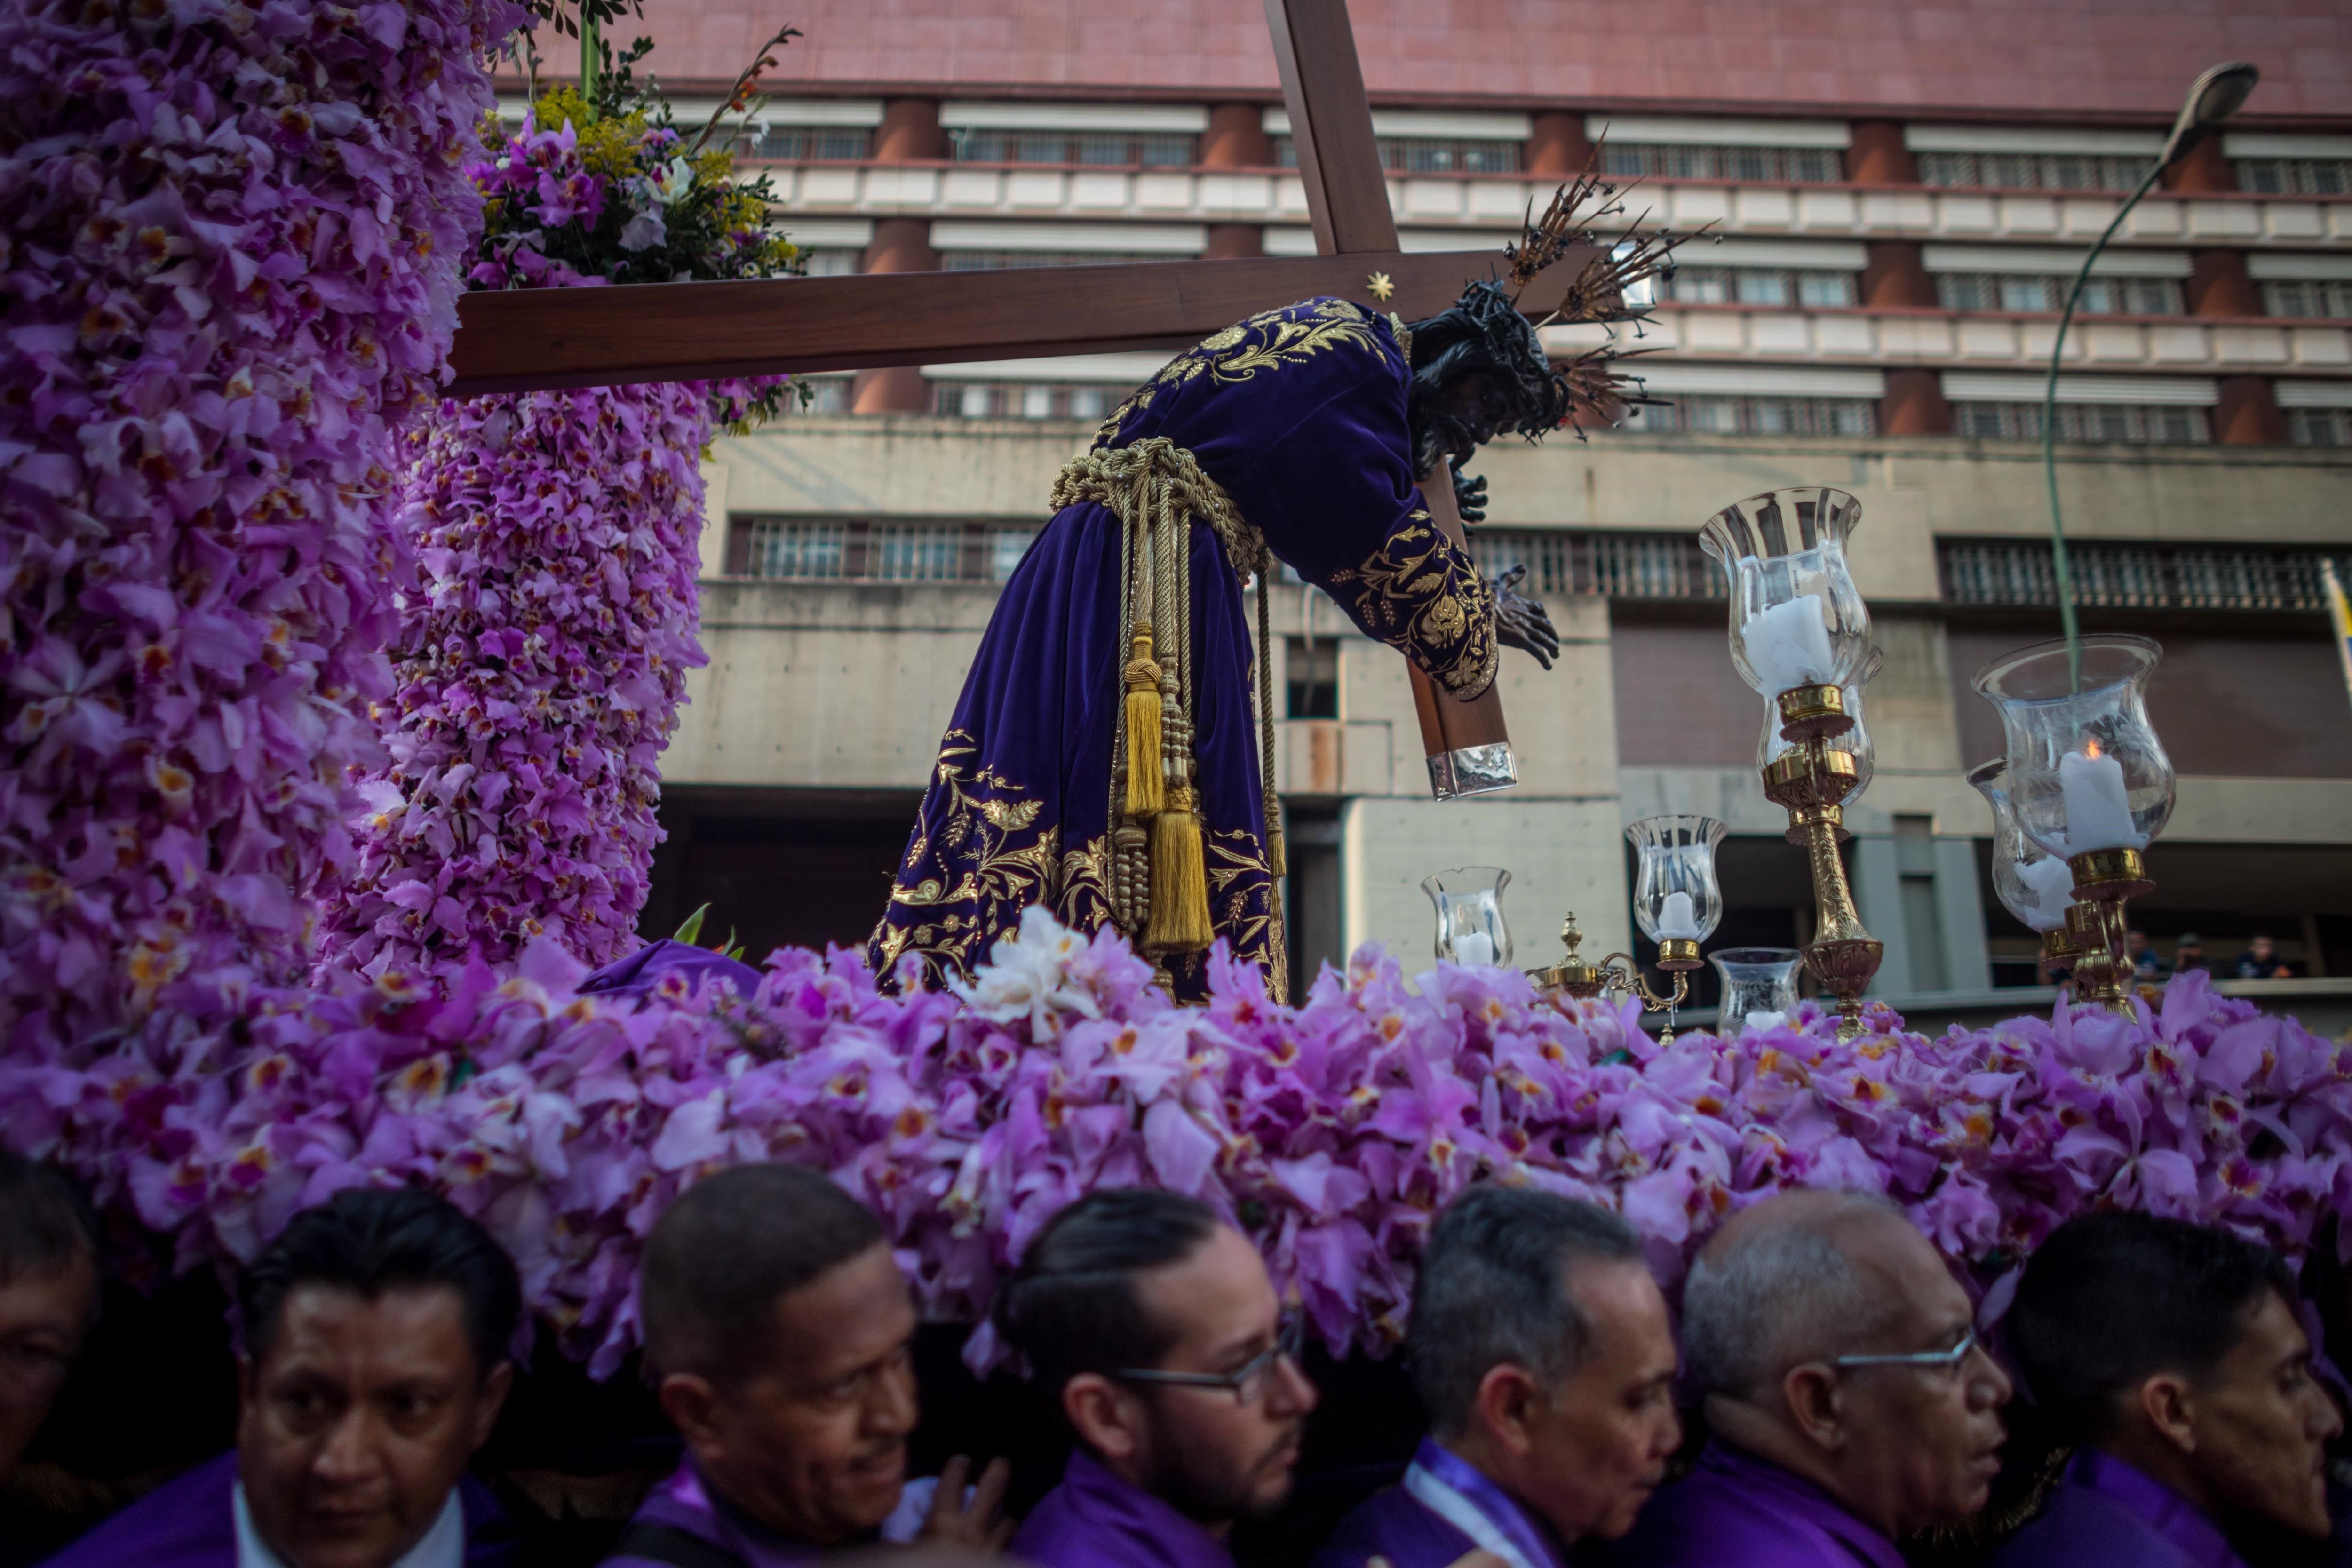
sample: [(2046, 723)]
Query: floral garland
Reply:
[(542, 658), (230, 269), (542, 661), (1331, 1131)]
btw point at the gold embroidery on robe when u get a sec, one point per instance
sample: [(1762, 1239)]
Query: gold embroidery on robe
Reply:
[(1423, 602), (987, 822), (1267, 340)]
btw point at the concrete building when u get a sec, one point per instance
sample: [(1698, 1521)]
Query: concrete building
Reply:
[(1897, 196)]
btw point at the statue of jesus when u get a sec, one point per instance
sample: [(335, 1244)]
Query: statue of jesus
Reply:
[(1102, 758)]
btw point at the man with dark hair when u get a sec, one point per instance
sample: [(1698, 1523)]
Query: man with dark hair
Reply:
[(1849, 1402), (1151, 1325), (1539, 1346), (376, 1332), (48, 1295), (2171, 1354), (779, 1336)]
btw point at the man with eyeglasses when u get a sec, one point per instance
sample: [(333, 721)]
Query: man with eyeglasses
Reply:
[(1539, 1346), (1849, 1402), (2169, 1355), (1152, 1327)]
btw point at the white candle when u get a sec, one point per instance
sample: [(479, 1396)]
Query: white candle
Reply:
[(1475, 951), (1677, 921), (2098, 814), (2049, 889), (1789, 646), (1759, 1022)]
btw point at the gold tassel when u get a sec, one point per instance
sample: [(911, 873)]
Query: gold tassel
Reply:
[(1180, 880), (1145, 793)]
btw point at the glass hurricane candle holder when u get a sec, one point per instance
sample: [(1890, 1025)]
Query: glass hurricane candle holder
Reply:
[(1797, 619), (1677, 901), (2089, 782), (1760, 987), (1853, 743), (1470, 929), (2032, 883)]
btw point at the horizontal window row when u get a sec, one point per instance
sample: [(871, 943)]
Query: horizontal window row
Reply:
[(2297, 176), (2159, 423), (2319, 427), (850, 551), (1780, 286), (1152, 149), (1023, 400), (2309, 298), (1427, 155), (1776, 166), (1755, 415), (2042, 291), (2135, 576)]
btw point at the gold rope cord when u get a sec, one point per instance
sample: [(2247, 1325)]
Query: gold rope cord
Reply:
[(1157, 491)]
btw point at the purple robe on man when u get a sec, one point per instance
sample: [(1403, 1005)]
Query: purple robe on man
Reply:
[(1445, 1508), (1299, 416), (1737, 1510), (683, 1508), (1094, 1519), (2106, 1513), (190, 1522)]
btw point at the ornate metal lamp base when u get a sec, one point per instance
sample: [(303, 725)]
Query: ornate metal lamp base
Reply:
[(2103, 879), (1809, 782)]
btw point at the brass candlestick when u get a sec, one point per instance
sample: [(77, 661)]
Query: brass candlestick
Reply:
[(1618, 972), (2103, 879), (1810, 782)]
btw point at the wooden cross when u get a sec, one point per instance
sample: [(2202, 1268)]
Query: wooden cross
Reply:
[(519, 340)]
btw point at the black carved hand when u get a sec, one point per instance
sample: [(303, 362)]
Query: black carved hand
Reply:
[(1521, 621), (1470, 495)]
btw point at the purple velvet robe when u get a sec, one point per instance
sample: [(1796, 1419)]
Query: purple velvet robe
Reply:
[(1094, 1519), (1300, 416), (2107, 1514), (1737, 1510), (190, 1522), (668, 968), (1445, 1507), (683, 1503)]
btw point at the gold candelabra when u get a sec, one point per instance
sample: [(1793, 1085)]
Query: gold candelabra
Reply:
[(2103, 879), (1810, 782), (1619, 973)]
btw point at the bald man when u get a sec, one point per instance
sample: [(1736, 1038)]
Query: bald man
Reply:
[(1849, 1400)]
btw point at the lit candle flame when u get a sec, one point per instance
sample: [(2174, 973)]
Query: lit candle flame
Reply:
[(2091, 749)]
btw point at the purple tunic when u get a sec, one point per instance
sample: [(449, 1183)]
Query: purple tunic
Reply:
[(1298, 415), (1737, 1510), (190, 1522), (683, 1503), (2106, 1515), (1445, 1507), (1094, 1519), (670, 968)]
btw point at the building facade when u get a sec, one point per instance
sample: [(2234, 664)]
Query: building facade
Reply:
[(1872, 306)]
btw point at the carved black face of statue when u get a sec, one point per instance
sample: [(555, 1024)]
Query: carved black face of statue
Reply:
[(1478, 371)]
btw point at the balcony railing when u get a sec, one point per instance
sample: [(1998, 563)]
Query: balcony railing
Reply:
[(2137, 577)]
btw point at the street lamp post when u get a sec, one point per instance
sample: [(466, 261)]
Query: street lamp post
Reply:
[(2213, 97)]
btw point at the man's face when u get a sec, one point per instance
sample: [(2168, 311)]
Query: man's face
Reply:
[(2262, 1424), (2262, 946), (814, 1445), (1603, 1437), (1477, 403), (1924, 1444), (1210, 1456), (357, 1419), (43, 1317), (2135, 942)]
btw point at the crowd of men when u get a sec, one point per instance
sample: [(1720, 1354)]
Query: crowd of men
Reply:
[(1829, 1401)]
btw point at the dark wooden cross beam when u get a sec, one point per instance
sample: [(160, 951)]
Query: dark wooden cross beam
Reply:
[(517, 340)]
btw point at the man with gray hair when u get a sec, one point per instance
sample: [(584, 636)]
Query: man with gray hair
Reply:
[(1848, 1400), (1540, 1347)]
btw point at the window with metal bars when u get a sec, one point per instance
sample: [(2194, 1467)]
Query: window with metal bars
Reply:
[(1149, 150), (1756, 415), (805, 549), (2295, 176), (829, 261), (2319, 427), (915, 552), (1022, 400), (2032, 292), (2155, 424), (829, 549), (1428, 155), (2033, 170), (1605, 565), (1311, 679), (2135, 576), (1769, 165), (826, 395), (810, 143), (1781, 286), (996, 260), (2307, 297)]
